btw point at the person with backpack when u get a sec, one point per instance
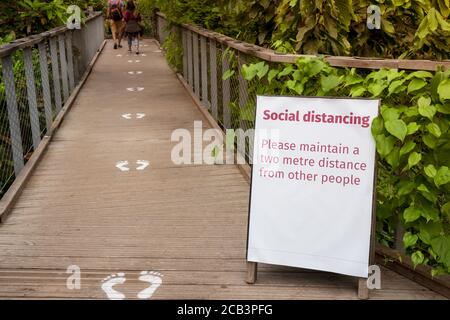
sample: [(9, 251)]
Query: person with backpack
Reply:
[(132, 27), (115, 16)]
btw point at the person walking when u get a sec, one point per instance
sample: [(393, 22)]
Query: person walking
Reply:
[(115, 16), (132, 26)]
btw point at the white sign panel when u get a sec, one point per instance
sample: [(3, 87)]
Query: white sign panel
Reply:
[(312, 183)]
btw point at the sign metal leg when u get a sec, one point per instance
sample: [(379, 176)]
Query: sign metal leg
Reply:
[(363, 290), (252, 269)]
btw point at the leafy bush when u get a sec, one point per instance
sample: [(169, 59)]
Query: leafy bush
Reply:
[(412, 137), (409, 28), (25, 17)]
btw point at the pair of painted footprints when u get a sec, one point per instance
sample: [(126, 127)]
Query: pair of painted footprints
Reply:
[(154, 279)]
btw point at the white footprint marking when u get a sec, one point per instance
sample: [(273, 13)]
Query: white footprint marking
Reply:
[(109, 282), (154, 279), (127, 116), (142, 164), (143, 55), (138, 89), (140, 115), (122, 166), (119, 55)]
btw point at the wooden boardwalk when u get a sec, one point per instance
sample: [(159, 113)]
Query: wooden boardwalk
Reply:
[(188, 223)]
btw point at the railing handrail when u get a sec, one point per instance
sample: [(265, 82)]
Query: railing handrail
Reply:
[(335, 61), (9, 48)]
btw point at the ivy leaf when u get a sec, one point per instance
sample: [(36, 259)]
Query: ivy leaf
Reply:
[(407, 148), (442, 176), (441, 246), (411, 111), (430, 213), (262, 70), (376, 88), (287, 70), (430, 196), (357, 91), (389, 114), (430, 171), (425, 109), (384, 144), (409, 239), (397, 128), (420, 75), (430, 141), (272, 74), (413, 159), (396, 86), (393, 158), (315, 67), (416, 84), (295, 86), (411, 214), (429, 230), (444, 90), (417, 258), (413, 127), (434, 129), (377, 126), (330, 82)]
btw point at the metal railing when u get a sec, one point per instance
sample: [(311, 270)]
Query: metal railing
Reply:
[(205, 60), (37, 76)]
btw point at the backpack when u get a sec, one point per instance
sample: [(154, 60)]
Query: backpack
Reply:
[(115, 13)]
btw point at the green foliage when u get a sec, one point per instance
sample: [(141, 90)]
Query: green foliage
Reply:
[(174, 51), (25, 17), (412, 137), (409, 28)]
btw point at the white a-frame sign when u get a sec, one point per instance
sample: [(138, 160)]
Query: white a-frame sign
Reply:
[(312, 193)]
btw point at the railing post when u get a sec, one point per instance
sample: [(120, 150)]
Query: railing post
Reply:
[(45, 85), (226, 91), (31, 94), (55, 72), (204, 73), (243, 90), (213, 70), (13, 114), (190, 66), (196, 65), (62, 57), (185, 54), (70, 60)]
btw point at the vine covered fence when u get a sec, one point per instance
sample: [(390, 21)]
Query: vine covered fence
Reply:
[(37, 76), (412, 133)]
